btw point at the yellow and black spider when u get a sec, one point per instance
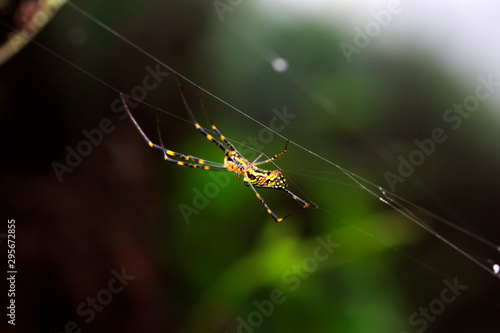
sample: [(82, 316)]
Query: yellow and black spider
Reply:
[(233, 160)]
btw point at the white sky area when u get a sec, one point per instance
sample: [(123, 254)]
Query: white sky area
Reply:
[(462, 35)]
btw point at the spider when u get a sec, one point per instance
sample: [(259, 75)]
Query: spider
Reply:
[(253, 176)]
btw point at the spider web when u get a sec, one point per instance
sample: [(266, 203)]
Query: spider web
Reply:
[(404, 207)]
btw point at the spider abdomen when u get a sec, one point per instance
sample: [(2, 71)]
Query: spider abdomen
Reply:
[(265, 178)]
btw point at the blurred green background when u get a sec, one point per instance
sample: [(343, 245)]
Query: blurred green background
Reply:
[(124, 207)]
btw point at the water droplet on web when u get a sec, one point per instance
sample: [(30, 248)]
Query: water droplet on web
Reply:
[(280, 64)]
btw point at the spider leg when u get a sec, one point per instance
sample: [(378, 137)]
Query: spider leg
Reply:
[(191, 114), (178, 155), (275, 156), (198, 162), (256, 159), (276, 218), (304, 203), (159, 133), (214, 128)]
